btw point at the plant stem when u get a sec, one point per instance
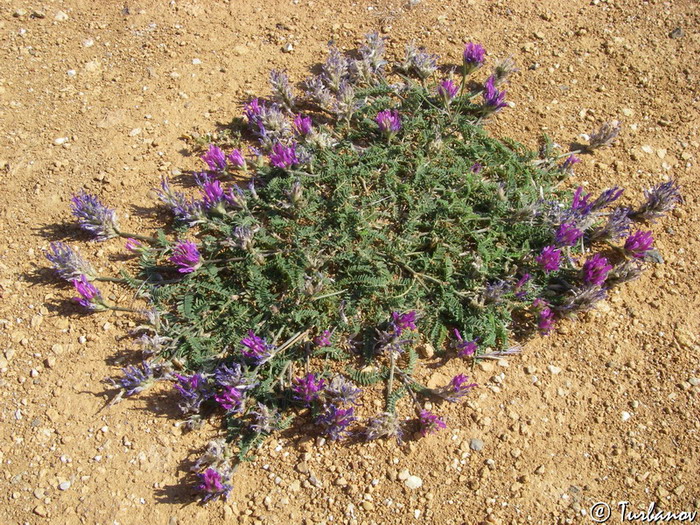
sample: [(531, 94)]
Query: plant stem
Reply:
[(138, 237), (111, 279), (390, 381)]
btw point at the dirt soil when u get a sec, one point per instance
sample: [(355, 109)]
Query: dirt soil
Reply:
[(98, 95)]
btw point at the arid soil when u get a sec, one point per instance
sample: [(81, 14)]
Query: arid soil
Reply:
[(99, 95)]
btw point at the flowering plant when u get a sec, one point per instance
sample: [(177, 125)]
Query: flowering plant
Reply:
[(379, 220)]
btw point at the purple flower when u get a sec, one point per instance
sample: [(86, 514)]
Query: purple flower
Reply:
[(94, 217), (580, 202), (494, 292), (660, 200), (282, 89), (342, 391), (233, 376), (464, 348), (335, 421), (186, 256), (230, 399), (517, 288), (430, 423), (212, 485), (549, 259), (215, 158), (494, 99), (68, 263), (616, 227), (625, 272), (135, 246), (213, 195), (567, 235), (606, 198), (236, 159), (569, 163), (257, 349), (335, 69), (389, 122), (546, 320), (605, 136), (307, 389), (265, 419), (253, 110), (447, 90), (302, 125), (324, 339), (387, 425), (456, 389), (194, 390), (473, 57), (136, 378), (283, 156), (187, 211), (236, 197), (90, 297), (580, 300), (504, 69), (401, 322), (476, 167), (419, 62), (372, 56), (595, 270), (639, 243)]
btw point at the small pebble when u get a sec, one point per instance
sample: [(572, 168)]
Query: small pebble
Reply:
[(554, 370), (64, 486), (626, 416), (61, 16), (413, 482), (476, 444)]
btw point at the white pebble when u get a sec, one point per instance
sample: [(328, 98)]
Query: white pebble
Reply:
[(196, 61), (71, 72), (61, 16), (626, 416), (414, 482), (60, 140), (88, 42), (64, 486)]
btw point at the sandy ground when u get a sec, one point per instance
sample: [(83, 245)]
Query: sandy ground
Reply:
[(99, 94)]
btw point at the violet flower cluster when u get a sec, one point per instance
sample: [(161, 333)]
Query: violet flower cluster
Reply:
[(464, 348), (68, 262), (456, 389), (389, 122), (430, 423), (94, 217), (307, 389), (473, 57), (213, 486), (494, 100), (136, 378), (256, 349), (90, 297), (186, 256)]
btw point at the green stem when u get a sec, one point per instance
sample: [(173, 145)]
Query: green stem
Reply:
[(390, 381), (111, 279), (138, 237)]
